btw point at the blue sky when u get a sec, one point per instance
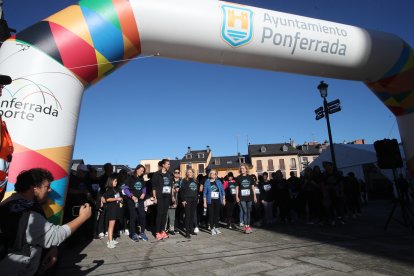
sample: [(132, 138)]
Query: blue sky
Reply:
[(155, 108)]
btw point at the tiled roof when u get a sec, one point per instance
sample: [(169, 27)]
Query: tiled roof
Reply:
[(196, 156), (227, 162)]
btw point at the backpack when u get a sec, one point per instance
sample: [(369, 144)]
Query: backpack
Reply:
[(13, 224), (6, 151)]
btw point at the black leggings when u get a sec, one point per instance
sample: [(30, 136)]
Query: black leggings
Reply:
[(133, 216), (190, 209), (229, 211), (163, 203), (214, 213)]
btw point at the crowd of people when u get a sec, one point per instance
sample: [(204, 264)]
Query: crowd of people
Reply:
[(166, 204)]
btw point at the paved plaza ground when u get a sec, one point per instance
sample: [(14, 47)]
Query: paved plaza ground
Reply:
[(361, 247)]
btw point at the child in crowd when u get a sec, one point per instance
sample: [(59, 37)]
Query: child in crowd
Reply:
[(112, 198)]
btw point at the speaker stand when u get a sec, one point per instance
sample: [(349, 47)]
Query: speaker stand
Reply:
[(406, 212)]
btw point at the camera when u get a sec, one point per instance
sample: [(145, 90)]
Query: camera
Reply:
[(75, 211)]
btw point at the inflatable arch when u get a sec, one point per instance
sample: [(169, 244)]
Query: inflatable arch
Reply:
[(55, 60)]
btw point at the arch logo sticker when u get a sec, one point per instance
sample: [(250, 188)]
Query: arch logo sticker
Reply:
[(237, 25)]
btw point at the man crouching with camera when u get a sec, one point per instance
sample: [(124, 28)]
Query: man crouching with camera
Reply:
[(28, 241)]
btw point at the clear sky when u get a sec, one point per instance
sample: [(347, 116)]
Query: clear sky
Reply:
[(155, 107)]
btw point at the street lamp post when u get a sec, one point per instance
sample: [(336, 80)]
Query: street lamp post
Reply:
[(328, 108)]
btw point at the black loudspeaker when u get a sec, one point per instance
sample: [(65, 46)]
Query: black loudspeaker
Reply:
[(388, 154)]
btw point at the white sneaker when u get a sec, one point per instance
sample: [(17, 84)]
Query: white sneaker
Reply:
[(106, 234), (213, 232), (126, 232), (241, 224), (101, 235), (114, 242), (196, 230), (217, 231), (111, 245)]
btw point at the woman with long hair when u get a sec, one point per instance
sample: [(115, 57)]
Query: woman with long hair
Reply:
[(213, 197), (135, 190), (245, 195), (112, 199), (189, 195)]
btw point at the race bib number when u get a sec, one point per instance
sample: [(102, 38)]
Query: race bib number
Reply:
[(214, 195), (166, 190), (245, 192), (267, 187), (233, 191), (257, 190)]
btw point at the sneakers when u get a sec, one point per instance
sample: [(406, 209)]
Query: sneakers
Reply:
[(110, 244), (101, 235), (164, 235), (196, 230), (214, 232), (248, 230), (106, 234), (114, 242), (158, 236), (143, 237), (187, 236), (135, 238), (217, 231), (242, 224), (126, 232)]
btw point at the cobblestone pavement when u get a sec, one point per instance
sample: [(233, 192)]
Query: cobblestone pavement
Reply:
[(361, 247)]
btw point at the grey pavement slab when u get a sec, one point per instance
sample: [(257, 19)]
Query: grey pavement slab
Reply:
[(360, 247)]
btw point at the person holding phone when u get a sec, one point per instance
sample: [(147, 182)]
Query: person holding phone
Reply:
[(37, 242), (112, 199)]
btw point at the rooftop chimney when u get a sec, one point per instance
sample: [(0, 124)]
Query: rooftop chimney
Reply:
[(188, 149), (208, 148)]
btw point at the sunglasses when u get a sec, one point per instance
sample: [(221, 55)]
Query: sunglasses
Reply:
[(176, 172)]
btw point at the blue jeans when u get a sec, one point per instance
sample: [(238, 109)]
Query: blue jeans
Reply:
[(241, 214), (246, 208)]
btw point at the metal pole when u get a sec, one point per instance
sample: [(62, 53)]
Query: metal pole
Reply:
[(326, 109)]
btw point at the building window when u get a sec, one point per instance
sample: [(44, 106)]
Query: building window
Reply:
[(305, 162), (200, 168), (147, 168), (188, 156), (189, 166), (217, 161), (270, 166), (229, 162), (292, 163), (282, 164), (200, 155), (259, 165), (285, 148), (263, 149), (243, 160)]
